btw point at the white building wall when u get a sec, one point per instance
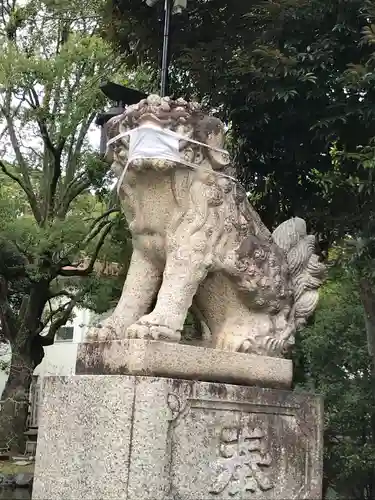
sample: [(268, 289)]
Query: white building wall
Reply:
[(4, 356), (59, 358), (3, 380)]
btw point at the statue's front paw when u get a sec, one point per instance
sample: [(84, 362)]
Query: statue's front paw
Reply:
[(263, 346), (138, 331), (164, 333), (147, 329), (101, 334), (112, 328)]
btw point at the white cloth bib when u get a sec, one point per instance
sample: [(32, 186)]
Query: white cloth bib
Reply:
[(153, 142)]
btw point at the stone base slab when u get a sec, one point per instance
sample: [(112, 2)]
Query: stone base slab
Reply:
[(165, 359), (116, 437)]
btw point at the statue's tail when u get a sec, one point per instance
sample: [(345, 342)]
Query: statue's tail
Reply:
[(307, 273)]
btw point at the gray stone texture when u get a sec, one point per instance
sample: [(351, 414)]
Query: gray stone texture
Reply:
[(197, 241), (119, 437), (167, 359)]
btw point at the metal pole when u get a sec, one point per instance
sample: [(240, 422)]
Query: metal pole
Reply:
[(165, 57)]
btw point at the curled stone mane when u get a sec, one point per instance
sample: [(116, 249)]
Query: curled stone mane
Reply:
[(185, 118)]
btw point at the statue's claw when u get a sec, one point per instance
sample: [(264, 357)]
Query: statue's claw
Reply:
[(146, 330), (101, 334)]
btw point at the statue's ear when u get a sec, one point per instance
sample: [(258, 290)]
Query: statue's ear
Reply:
[(114, 127), (116, 153), (111, 129), (210, 130)]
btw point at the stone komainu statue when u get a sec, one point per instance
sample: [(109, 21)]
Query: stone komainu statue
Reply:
[(197, 241)]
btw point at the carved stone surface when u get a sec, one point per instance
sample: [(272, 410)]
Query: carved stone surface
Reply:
[(118, 437), (198, 242), (167, 359), (244, 462)]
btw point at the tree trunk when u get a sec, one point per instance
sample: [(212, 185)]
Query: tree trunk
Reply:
[(27, 353), (15, 402)]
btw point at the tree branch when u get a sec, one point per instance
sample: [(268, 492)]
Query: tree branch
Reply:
[(54, 150), (13, 176), (45, 136), (61, 320), (52, 314), (75, 150), (56, 173), (81, 137), (29, 193), (93, 233), (95, 228), (62, 293), (76, 188), (5, 129), (22, 164), (7, 318), (23, 308), (86, 272), (104, 214), (71, 183)]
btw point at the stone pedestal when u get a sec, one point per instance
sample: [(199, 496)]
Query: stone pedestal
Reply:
[(126, 437), (171, 360)]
